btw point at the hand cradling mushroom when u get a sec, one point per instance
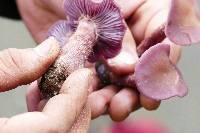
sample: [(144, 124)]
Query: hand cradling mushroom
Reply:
[(94, 31), (156, 76)]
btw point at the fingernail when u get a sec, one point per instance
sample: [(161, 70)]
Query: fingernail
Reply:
[(46, 47)]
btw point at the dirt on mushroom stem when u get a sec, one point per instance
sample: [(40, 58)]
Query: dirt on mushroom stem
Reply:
[(72, 57)]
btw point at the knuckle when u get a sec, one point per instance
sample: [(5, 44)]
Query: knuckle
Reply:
[(11, 56)]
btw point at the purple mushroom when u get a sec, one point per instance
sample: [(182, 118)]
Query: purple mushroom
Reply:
[(183, 26), (94, 29), (155, 75)]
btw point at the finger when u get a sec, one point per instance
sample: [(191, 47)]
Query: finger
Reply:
[(99, 100), (60, 112), (125, 61), (123, 104), (148, 103), (157, 20), (175, 51), (33, 97), (22, 66), (82, 123), (148, 18), (66, 107), (129, 6), (183, 28)]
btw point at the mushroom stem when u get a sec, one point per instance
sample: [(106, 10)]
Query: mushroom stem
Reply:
[(72, 57)]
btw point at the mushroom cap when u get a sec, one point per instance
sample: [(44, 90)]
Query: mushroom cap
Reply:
[(156, 76), (62, 31), (109, 22), (183, 25)]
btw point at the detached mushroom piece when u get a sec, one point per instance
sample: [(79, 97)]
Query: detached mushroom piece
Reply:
[(95, 29), (183, 26), (156, 77)]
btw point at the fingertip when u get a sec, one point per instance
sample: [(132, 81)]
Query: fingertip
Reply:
[(72, 97), (99, 100), (149, 104), (27, 65), (44, 55), (98, 107), (50, 46), (79, 81), (123, 104)]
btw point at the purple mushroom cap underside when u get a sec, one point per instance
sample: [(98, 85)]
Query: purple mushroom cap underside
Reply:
[(109, 23)]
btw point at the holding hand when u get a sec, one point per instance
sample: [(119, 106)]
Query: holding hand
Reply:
[(20, 67), (143, 18)]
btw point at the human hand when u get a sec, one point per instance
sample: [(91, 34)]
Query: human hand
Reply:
[(118, 103), (143, 22), (20, 67)]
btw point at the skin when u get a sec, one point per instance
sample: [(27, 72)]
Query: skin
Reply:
[(143, 18), (23, 66)]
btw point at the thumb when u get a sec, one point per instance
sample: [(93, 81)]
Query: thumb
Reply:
[(65, 108), (22, 66)]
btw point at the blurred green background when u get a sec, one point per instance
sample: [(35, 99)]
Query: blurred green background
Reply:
[(179, 115)]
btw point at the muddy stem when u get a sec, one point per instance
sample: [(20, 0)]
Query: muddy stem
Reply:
[(72, 57)]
